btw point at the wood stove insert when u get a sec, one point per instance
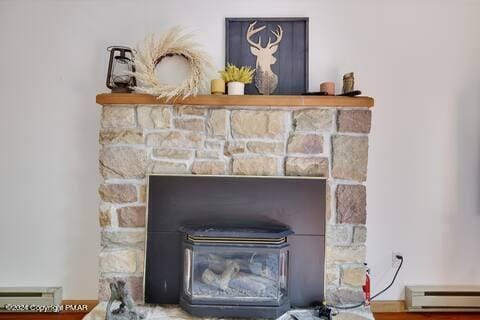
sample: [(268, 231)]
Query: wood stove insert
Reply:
[(183, 200), (235, 271)]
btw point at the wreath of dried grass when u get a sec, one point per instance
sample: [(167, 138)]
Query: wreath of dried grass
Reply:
[(173, 42)]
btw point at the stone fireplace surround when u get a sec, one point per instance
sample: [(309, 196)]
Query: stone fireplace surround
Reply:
[(321, 140)]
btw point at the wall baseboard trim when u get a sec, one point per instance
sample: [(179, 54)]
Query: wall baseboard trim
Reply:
[(77, 305), (388, 306)]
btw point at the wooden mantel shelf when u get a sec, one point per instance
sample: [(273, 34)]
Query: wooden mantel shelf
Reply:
[(239, 101)]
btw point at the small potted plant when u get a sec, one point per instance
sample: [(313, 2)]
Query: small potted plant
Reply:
[(236, 78)]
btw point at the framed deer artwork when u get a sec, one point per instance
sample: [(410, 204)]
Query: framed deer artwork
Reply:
[(276, 47)]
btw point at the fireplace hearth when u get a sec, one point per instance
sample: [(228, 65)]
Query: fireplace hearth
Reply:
[(235, 271)]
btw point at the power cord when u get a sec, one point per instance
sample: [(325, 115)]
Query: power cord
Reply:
[(399, 257)]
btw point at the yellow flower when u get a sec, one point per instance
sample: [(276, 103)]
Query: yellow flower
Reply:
[(233, 73)]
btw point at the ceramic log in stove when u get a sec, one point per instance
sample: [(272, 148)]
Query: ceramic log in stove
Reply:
[(235, 271)]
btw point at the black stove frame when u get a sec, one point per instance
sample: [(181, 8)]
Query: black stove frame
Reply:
[(176, 200)]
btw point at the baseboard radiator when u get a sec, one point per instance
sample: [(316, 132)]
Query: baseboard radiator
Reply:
[(443, 298), (29, 299)]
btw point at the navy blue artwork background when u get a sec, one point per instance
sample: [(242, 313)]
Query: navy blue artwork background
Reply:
[(292, 55)]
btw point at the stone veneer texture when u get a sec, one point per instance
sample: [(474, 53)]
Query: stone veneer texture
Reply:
[(322, 141)]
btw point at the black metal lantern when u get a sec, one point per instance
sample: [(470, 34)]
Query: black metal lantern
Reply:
[(120, 66)]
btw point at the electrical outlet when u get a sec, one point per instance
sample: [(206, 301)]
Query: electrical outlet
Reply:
[(395, 260)]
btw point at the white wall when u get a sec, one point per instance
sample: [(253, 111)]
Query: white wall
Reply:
[(419, 59)]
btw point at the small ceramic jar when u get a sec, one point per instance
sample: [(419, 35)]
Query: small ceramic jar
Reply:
[(236, 88), (328, 88), (217, 86)]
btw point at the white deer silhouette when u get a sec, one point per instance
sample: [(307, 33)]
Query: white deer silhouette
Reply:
[(265, 80)]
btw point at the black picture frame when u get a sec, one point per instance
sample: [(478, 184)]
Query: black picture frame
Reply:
[(291, 64)]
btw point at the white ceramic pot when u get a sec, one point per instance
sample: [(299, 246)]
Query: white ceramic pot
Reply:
[(236, 88)]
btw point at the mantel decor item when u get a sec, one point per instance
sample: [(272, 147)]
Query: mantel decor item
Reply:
[(236, 78), (348, 83), (276, 47), (173, 43), (120, 68), (217, 86), (328, 88)]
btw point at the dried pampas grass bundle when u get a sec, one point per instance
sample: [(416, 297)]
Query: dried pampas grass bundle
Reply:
[(173, 42)]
